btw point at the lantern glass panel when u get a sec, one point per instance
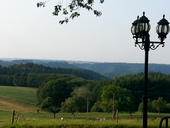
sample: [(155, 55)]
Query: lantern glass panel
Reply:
[(133, 30), (144, 27), (148, 27), (141, 27), (162, 29), (157, 29)]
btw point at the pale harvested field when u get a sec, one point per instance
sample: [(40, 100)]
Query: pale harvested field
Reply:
[(9, 104)]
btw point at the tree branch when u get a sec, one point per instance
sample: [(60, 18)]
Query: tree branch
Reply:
[(71, 10)]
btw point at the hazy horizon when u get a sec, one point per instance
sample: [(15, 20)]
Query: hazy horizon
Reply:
[(34, 33), (81, 61)]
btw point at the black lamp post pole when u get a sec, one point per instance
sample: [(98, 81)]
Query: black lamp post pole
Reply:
[(145, 97)]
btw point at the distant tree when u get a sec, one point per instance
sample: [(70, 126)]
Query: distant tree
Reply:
[(79, 101), (140, 107), (159, 104), (150, 108), (20, 79), (48, 105), (97, 107), (6, 80), (74, 104), (167, 108), (84, 93), (70, 105), (96, 89), (116, 98), (52, 94), (71, 9)]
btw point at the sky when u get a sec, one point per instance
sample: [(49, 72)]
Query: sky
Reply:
[(28, 32)]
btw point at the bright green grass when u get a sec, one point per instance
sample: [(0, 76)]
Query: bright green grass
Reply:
[(46, 120), (74, 123), (49, 116), (19, 93), (5, 116)]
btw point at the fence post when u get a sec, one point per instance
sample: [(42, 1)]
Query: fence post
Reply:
[(13, 116)]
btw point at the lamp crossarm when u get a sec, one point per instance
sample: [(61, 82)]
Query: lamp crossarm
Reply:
[(152, 45)]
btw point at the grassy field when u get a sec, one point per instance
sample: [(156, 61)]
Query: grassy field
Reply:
[(19, 93), (17, 98), (46, 120)]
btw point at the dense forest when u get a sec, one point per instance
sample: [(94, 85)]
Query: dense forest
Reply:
[(79, 90), (7, 74), (109, 70)]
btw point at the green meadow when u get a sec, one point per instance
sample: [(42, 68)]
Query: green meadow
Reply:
[(20, 93), (21, 99), (46, 120)]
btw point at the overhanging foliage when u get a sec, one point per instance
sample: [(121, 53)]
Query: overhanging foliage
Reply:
[(72, 8)]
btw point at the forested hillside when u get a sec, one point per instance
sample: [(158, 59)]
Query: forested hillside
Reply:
[(39, 69), (109, 70), (112, 70)]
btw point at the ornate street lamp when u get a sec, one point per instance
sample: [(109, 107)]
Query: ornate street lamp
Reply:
[(140, 31), (162, 29)]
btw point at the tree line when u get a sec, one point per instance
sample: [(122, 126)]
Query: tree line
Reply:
[(31, 74), (122, 94)]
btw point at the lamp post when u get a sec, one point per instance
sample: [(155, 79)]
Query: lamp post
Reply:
[(140, 31)]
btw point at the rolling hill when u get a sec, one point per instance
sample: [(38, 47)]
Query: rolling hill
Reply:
[(21, 99), (41, 69), (109, 70)]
